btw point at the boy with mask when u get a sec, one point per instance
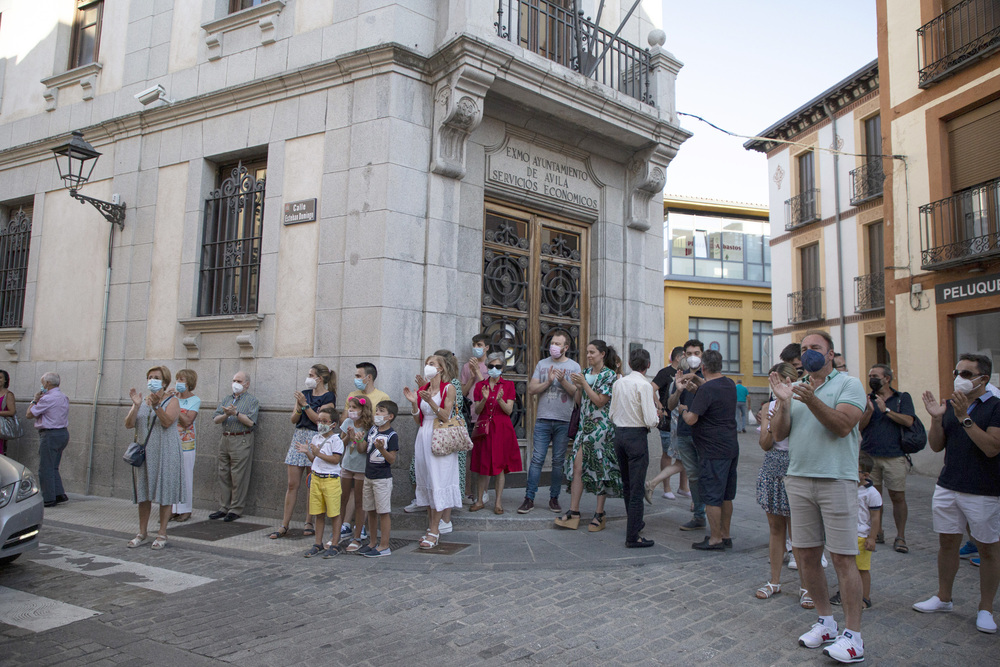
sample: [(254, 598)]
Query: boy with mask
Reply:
[(551, 383), (383, 446), (325, 451)]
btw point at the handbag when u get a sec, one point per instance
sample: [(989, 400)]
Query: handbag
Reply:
[(574, 422), (10, 428), (135, 454), (449, 437)]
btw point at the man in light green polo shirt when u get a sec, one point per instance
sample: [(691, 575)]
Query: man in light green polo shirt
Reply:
[(819, 415)]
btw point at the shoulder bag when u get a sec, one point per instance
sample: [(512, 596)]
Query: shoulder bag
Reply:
[(450, 437), (10, 427), (135, 454)]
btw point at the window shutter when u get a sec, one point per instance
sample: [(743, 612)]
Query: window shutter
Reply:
[(974, 146)]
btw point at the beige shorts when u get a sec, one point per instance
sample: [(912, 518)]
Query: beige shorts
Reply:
[(347, 474), (824, 508), (953, 510), (890, 471), (377, 495)]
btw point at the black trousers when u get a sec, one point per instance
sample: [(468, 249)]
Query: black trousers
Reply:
[(632, 450)]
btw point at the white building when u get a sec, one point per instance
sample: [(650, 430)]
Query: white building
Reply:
[(325, 182), (825, 191)]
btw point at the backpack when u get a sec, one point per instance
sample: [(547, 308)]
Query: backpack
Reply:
[(914, 438)]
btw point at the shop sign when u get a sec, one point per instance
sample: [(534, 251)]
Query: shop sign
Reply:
[(300, 211), (970, 288)]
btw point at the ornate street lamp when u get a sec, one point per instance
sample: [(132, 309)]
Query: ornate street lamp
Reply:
[(76, 160)]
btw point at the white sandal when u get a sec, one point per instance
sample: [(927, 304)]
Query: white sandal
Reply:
[(159, 543), (139, 539), (805, 601), (768, 590), (431, 543)]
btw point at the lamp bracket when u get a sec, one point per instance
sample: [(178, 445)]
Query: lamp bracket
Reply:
[(113, 213)]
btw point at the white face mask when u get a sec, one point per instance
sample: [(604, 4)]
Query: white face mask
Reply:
[(237, 388), (694, 362), (324, 428), (353, 414), (430, 372), (310, 383), (963, 386), (380, 420)]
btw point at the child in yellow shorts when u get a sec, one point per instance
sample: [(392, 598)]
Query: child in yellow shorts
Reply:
[(869, 525), (325, 451)]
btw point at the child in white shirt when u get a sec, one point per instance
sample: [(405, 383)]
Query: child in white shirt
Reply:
[(869, 525), (325, 451)]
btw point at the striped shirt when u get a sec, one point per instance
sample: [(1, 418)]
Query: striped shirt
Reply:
[(246, 404)]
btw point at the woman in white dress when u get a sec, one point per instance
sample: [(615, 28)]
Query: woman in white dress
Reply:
[(437, 476)]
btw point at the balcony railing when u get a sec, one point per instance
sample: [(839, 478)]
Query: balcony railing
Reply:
[(869, 292), (867, 182), (802, 209), (805, 306), (957, 38), (961, 229), (555, 32)]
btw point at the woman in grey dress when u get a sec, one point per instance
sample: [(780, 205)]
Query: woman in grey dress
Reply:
[(159, 480)]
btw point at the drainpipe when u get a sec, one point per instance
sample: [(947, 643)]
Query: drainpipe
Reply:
[(100, 362), (840, 249)]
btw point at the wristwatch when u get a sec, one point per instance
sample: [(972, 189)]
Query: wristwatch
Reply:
[(887, 410), (967, 422)]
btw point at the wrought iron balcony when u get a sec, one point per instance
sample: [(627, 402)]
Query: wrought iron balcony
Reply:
[(957, 38), (869, 292), (961, 229), (574, 41), (802, 209), (805, 306), (867, 182)]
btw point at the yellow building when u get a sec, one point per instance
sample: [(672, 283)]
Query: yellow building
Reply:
[(717, 283)]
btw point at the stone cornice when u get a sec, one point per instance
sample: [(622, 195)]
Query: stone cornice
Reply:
[(243, 18), (72, 76)]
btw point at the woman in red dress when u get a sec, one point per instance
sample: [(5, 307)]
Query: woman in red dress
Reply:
[(495, 450)]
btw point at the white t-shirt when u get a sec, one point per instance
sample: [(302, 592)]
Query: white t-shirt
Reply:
[(328, 446), (782, 445), (868, 499)]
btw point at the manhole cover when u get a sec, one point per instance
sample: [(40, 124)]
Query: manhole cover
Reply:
[(213, 531), (444, 549)]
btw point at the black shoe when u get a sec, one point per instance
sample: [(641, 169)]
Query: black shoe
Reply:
[(526, 506), (835, 599), (640, 543), (554, 505), (704, 545), (727, 542), (232, 516), (218, 515), (693, 524), (51, 503), (62, 498)]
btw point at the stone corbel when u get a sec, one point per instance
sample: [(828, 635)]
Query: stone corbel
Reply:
[(51, 96), (11, 340), (458, 110), (193, 345), (87, 84), (247, 342), (267, 30), (647, 174), (214, 44)]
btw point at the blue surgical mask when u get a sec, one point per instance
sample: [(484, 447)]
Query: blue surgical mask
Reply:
[(359, 383), (813, 361), (43, 389), (591, 378), (154, 385), (478, 352), (494, 372), (180, 387)]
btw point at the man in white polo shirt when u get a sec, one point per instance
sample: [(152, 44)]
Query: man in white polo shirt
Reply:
[(819, 415)]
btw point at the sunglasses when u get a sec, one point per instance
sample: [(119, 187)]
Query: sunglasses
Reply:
[(968, 375), (498, 367)]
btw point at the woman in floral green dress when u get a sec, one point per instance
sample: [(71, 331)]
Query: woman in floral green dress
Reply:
[(591, 464)]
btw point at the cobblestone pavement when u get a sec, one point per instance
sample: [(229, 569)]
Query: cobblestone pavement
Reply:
[(540, 596)]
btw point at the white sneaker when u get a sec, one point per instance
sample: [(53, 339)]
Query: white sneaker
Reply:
[(486, 497), (933, 604), (346, 529), (669, 495), (788, 545), (792, 565), (414, 507), (985, 622), (364, 533), (823, 561), (847, 648), (818, 635), (444, 528)]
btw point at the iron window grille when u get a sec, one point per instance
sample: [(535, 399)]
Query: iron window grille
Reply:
[(869, 292), (802, 209), (867, 182), (230, 251), (551, 29), (956, 39), (15, 240), (805, 306), (962, 228), (86, 42)]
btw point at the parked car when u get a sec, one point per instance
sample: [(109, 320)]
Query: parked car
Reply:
[(20, 510)]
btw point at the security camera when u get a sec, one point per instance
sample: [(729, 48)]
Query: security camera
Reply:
[(150, 95)]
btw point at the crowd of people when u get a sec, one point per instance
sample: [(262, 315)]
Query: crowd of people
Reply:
[(829, 448)]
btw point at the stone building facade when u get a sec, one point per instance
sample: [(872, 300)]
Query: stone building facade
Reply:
[(321, 181)]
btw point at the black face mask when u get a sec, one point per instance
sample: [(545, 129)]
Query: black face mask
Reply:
[(875, 384)]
